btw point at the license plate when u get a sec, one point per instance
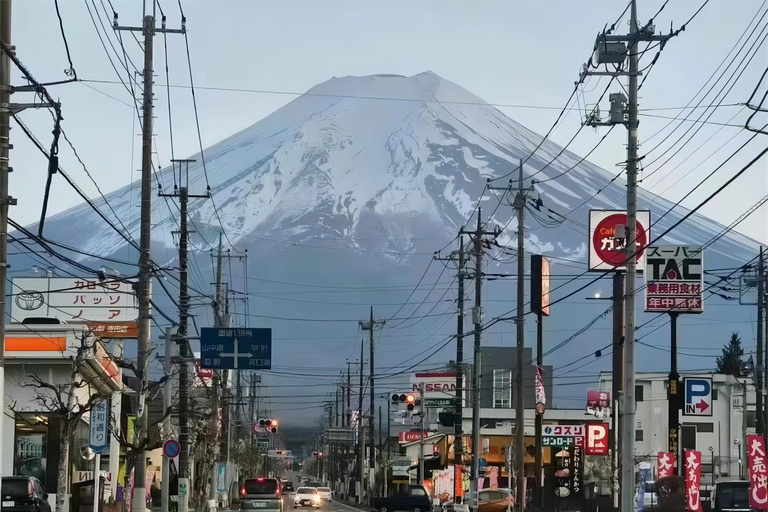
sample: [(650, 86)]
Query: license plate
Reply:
[(260, 504), (8, 504)]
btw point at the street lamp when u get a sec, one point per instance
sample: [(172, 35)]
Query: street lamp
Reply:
[(712, 458), (737, 442)]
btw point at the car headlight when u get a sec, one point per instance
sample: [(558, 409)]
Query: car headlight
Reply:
[(316, 498)]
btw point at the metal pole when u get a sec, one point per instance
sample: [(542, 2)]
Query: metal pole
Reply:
[(458, 449), (421, 439), (628, 445), (372, 454), (478, 320), (183, 503), (5, 147), (520, 398), (538, 495), (617, 380), (96, 482), (673, 401), (139, 498)]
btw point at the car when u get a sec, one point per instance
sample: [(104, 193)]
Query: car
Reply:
[(731, 496), (325, 493), (24, 494), (306, 496), (490, 500), (261, 494), (412, 498)]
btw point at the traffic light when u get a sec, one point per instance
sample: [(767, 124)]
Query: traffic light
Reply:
[(269, 425), (409, 399)]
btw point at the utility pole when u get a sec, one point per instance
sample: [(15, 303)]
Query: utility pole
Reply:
[(520, 201), (540, 279), (182, 193), (617, 380), (760, 320), (477, 318), (360, 435), (421, 437), (614, 50), (370, 326), (349, 394), (5, 169), (148, 29)]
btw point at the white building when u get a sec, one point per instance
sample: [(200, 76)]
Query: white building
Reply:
[(719, 437)]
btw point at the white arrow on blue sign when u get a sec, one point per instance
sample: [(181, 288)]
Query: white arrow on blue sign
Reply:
[(99, 431), (698, 396)]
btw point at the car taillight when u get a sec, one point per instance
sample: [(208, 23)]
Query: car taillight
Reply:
[(242, 492), (30, 490)]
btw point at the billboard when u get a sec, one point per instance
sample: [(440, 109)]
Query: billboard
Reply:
[(73, 299), (540, 270), (674, 279), (606, 252), (436, 384)]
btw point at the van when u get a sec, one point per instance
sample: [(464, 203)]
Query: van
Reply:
[(24, 494), (731, 496), (261, 494)]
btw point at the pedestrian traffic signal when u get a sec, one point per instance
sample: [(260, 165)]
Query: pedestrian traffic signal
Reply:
[(269, 425), (409, 399)]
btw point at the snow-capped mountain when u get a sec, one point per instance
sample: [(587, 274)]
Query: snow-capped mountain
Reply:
[(378, 157), (341, 198)]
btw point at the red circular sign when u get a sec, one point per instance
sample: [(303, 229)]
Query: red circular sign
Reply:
[(604, 243)]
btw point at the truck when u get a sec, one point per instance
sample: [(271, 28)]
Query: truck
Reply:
[(410, 498)]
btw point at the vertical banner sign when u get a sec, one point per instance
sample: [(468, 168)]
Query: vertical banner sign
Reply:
[(578, 459), (666, 465), (99, 431), (540, 268), (541, 397), (674, 279), (692, 480), (758, 476)]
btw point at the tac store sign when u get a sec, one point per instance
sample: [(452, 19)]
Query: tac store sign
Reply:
[(758, 475), (606, 252), (74, 299), (674, 279)]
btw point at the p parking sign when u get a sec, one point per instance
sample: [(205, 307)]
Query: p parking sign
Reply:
[(698, 396)]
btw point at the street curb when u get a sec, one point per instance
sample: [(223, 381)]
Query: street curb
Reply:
[(351, 507)]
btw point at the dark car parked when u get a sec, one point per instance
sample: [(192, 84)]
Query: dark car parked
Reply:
[(413, 498), (24, 494)]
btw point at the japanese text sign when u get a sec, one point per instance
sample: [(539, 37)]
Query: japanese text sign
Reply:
[(674, 279), (564, 430), (597, 439), (235, 349), (758, 476), (599, 399), (666, 464), (99, 431), (74, 299), (692, 480), (578, 459), (606, 252)]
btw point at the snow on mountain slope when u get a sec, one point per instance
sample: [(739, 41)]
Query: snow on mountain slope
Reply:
[(347, 161)]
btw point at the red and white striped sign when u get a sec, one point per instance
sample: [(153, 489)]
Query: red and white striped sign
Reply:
[(758, 475), (692, 480)]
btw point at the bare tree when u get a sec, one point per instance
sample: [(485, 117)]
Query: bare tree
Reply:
[(67, 403)]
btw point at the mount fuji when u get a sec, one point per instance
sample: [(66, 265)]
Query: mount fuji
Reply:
[(344, 194)]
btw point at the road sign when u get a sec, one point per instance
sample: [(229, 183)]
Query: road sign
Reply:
[(99, 431), (171, 448), (235, 349), (606, 252), (698, 396), (674, 279), (558, 441), (438, 402), (597, 439)]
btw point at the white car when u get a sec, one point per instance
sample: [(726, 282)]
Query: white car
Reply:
[(325, 493), (306, 497)]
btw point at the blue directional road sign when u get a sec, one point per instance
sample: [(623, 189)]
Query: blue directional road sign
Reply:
[(235, 349), (698, 396)]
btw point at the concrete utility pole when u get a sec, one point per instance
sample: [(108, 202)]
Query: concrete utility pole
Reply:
[(5, 147), (167, 395), (182, 338), (760, 320), (360, 435), (617, 379), (148, 29), (477, 318), (421, 437), (520, 321), (370, 326), (613, 49)]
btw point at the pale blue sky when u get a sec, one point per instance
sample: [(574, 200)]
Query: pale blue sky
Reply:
[(507, 52)]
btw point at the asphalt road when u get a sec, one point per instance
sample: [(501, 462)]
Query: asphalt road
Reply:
[(333, 506)]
